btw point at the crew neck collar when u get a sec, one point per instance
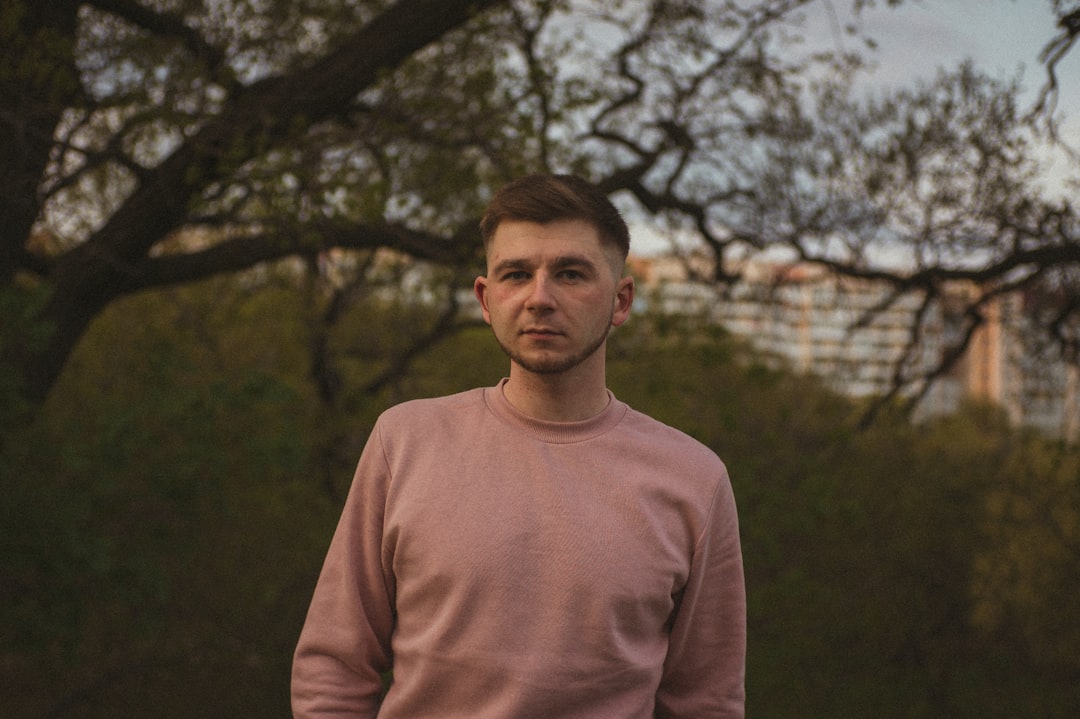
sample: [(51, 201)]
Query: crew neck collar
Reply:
[(554, 432)]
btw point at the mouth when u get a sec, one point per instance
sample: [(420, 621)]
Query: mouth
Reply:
[(540, 332)]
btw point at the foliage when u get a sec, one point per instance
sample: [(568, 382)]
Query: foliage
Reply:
[(19, 329), (881, 576), (170, 507), (147, 538)]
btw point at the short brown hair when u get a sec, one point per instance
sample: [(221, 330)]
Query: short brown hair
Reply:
[(545, 198)]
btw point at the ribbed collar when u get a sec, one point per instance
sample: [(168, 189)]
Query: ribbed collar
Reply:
[(554, 432)]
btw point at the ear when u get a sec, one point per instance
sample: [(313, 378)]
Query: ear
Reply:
[(480, 290), (624, 301)]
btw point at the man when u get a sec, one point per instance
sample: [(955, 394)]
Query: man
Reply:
[(537, 548)]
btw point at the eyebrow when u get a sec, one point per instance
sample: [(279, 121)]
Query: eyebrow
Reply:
[(559, 263)]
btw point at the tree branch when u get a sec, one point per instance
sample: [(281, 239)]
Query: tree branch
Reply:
[(246, 251), (444, 326), (265, 114), (163, 24), (1051, 55), (269, 110)]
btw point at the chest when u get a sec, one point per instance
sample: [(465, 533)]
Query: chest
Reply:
[(565, 533)]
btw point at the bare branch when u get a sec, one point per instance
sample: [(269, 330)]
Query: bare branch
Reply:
[(243, 252), (1051, 55), (445, 325)]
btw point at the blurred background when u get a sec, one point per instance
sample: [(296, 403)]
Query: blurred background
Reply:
[(233, 232)]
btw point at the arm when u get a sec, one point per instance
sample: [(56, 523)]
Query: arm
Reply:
[(344, 646), (705, 669)]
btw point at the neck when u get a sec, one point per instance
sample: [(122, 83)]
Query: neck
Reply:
[(562, 397)]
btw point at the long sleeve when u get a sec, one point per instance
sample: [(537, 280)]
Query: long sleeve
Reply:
[(704, 673), (510, 567), (344, 646)]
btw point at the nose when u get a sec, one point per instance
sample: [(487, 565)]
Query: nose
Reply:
[(540, 295)]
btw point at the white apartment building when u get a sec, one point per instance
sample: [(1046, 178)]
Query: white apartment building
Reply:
[(846, 332)]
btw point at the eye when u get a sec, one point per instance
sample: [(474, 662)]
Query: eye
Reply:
[(572, 275), (515, 276)]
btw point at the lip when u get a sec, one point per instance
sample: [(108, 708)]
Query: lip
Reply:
[(542, 332)]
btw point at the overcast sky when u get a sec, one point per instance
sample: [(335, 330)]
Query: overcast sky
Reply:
[(1001, 36)]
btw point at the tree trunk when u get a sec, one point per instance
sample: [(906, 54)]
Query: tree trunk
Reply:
[(39, 74), (86, 279)]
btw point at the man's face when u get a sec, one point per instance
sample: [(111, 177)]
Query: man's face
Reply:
[(552, 294)]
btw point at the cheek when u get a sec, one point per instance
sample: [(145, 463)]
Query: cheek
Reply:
[(497, 305)]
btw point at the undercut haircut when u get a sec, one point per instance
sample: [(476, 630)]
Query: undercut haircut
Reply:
[(546, 198)]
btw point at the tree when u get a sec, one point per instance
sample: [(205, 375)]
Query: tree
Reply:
[(161, 521), (927, 189), (156, 142), (133, 121), (918, 190)]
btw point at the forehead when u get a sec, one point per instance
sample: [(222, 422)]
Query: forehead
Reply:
[(533, 241)]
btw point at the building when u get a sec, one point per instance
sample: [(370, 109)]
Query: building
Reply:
[(860, 338)]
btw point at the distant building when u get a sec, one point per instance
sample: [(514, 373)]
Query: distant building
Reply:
[(852, 335)]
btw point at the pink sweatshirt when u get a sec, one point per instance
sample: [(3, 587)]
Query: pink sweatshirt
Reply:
[(506, 567)]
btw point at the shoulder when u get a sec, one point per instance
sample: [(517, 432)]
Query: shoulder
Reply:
[(685, 472), (433, 411), (669, 444)]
